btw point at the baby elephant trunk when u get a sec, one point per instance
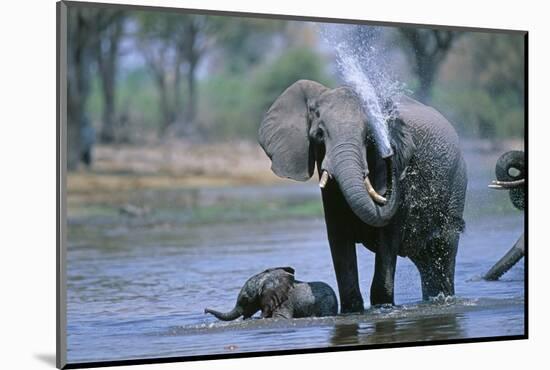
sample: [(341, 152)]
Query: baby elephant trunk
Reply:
[(225, 316)]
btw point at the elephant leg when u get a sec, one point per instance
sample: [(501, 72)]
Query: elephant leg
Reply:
[(381, 291), (284, 311), (437, 266), (339, 218), (344, 258)]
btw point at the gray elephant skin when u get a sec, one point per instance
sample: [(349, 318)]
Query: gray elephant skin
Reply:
[(277, 294), (511, 175), (406, 199), (510, 172)]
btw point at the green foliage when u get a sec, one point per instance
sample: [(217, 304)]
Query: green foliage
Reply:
[(482, 90), (94, 103), (240, 211), (293, 65), (220, 211), (136, 98), (244, 42), (225, 107), (246, 63), (499, 65), (476, 113), (233, 105)]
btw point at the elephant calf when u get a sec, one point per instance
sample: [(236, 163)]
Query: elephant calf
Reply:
[(277, 294)]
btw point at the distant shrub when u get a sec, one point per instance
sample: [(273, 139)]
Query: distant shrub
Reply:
[(294, 65), (225, 107), (136, 104), (233, 105), (476, 113)]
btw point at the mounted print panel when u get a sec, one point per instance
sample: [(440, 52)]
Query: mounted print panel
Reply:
[(235, 184)]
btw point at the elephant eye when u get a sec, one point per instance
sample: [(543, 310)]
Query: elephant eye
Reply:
[(514, 172)]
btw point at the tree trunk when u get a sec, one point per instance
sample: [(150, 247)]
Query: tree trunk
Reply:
[(107, 134), (107, 61), (167, 113), (428, 50), (78, 85), (158, 66), (191, 106), (191, 54)]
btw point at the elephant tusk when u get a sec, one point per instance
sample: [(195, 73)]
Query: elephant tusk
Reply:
[(373, 194), (324, 179), (503, 185)]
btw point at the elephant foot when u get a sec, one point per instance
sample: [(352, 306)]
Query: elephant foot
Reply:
[(436, 282), (383, 308), (355, 307), (437, 267), (437, 290), (381, 297)]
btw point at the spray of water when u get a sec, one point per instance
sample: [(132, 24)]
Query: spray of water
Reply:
[(361, 63)]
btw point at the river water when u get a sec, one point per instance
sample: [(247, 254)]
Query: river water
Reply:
[(137, 287)]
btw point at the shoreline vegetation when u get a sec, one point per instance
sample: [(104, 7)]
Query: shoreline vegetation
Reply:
[(182, 164), (166, 183)]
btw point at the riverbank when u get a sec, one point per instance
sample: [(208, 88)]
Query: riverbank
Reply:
[(181, 177)]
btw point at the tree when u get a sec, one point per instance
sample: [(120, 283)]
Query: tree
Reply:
[(293, 65), (78, 76), (481, 86), (84, 27), (110, 29), (499, 65), (172, 44), (242, 43), (429, 48)]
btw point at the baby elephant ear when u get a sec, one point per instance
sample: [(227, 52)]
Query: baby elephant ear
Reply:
[(288, 269), (275, 289), (283, 132)]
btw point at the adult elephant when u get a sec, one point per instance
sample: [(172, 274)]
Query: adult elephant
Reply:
[(399, 192), (511, 174)]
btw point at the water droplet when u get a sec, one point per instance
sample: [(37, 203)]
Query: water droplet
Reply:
[(360, 63)]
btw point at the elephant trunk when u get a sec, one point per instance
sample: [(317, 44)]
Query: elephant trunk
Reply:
[(510, 173), (350, 174), (226, 316), (507, 261)]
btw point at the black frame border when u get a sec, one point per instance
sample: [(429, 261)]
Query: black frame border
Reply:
[(61, 31)]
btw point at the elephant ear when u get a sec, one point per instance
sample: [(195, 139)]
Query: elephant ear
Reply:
[(283, 133), (288, 269), (402, 143), (275, 289), (400, 132)]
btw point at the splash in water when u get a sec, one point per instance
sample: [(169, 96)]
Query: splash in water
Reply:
[(442, 299), (361, 64)]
